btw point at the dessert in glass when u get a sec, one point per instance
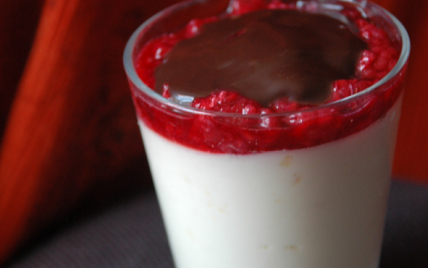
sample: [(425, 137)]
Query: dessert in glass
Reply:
[(270, 128)]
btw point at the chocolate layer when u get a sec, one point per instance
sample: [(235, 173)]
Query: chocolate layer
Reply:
[(264, 55)]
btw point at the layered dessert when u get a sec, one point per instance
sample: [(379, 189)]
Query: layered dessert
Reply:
[(270, 132)]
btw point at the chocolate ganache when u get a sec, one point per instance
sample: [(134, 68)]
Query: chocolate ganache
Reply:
[(264, 55)]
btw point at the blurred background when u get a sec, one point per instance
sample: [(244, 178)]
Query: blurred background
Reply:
[(69, 142)]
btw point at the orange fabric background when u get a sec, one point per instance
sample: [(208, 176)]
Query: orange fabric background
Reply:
[(67, 126)]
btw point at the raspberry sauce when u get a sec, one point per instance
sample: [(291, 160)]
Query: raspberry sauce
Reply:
[(283, 105)]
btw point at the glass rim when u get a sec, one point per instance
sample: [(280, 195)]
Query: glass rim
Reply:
[(136, 80)]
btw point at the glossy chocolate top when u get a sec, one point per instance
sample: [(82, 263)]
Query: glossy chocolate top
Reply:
[(263, 55)]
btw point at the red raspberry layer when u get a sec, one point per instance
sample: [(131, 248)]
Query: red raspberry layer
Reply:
[(260, 129)]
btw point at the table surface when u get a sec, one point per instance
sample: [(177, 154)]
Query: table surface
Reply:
[(132, 235)]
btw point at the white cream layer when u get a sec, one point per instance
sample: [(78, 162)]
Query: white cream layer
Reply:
[(321, 207)]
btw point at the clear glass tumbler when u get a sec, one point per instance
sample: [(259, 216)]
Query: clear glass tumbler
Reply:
[(318, 201)]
